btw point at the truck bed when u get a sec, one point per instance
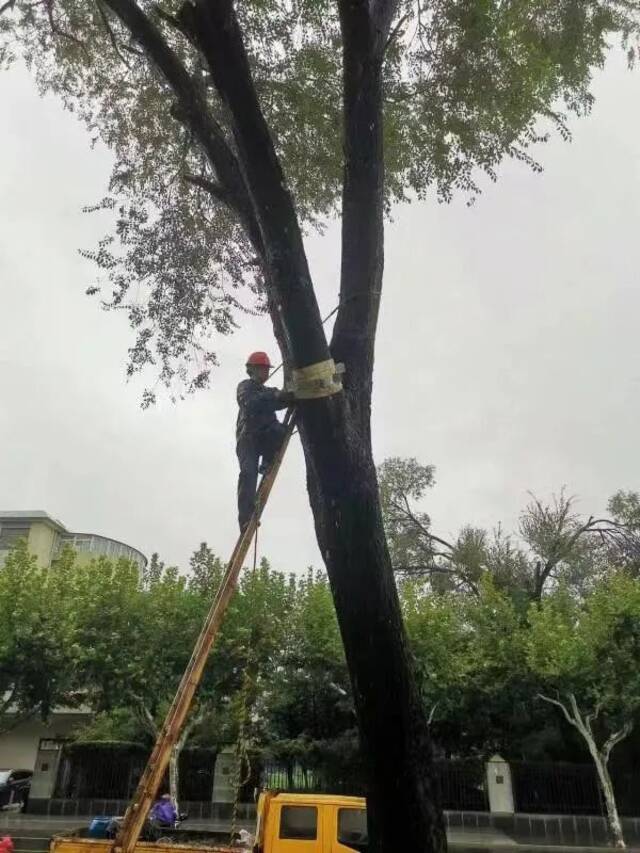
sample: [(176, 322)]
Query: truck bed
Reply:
[(94, 845)]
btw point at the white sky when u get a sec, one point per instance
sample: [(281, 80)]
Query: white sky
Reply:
[(508, 353)]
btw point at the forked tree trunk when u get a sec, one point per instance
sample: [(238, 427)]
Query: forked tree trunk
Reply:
[(600, 755), (336, 435)]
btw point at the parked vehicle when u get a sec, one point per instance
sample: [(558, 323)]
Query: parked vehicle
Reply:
[(311, 823), (14, 788)]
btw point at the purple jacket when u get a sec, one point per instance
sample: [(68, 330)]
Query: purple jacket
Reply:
[(164, 812)]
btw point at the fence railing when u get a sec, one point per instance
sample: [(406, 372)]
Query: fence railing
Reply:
[(461, 785), (112, 771), (557, 788)]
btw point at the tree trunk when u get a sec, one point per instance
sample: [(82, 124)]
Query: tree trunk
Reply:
[(394, 734), (174, 774), (335, 431), (613, 818), (583, 723)]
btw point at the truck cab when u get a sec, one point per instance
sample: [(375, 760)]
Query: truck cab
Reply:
[(311, 823)]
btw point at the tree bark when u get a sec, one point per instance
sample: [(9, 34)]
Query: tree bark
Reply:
[(613, 818)]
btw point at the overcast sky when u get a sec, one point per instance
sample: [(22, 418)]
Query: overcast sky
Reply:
[(508, 353)]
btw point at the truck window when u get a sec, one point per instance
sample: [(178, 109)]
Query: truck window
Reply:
[(352, 829), (299, 823)]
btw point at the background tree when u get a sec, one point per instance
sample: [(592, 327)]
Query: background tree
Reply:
[(552, 544), (38, 649), (309, 707), (211, 111), (587, 652), (476, 685)]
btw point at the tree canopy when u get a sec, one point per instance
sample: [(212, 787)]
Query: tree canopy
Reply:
[(553, 543), (466, 84)]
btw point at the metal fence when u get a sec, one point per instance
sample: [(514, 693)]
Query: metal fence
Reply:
[(461, 785), (626, 784), (558, 788), (112, 771)]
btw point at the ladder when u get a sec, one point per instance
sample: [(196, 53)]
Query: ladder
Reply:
[(158, 762)]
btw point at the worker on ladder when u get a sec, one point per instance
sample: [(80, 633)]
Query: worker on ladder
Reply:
[(259, 433)]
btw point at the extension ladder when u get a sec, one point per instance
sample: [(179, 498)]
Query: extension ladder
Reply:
[(157, 764)]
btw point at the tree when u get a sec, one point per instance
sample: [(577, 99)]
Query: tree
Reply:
[(212, 110), (587, 652), (472, 668), (309, 711), (553, 544), (38, 654), (624, 508)]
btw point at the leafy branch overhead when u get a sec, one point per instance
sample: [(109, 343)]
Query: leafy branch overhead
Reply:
[(466, 84)]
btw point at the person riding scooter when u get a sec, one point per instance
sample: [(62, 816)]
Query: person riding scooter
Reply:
[(164, 814)]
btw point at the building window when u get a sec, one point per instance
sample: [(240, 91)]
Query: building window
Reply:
[(11, 534)]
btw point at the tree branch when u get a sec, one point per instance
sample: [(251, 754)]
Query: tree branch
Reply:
[(8, 6), (615, 739), (589, 718), (214, 28), (396, 31), (382, 12), (146, 717), (415, 520), (58, 31), (364, 33), (111, 34), (194, 109), (212, 187), (172, 21), (560, 705)]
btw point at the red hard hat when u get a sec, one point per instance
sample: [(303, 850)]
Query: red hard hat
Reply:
[(259, 359)]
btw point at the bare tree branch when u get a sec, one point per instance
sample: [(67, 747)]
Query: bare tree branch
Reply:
[(560, 705), (146, 717), (212, 187), (407, 511), (615, 739), (395, 32)]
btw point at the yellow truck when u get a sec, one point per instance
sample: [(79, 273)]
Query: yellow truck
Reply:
[(310, 823), (287, 823)]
